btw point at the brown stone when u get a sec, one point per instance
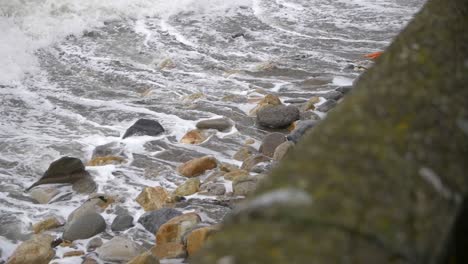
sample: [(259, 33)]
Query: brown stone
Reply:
[(244, 153), (268, 101), (189, 187), (169, 250), (36, 250), (47, 224), (106, 160), (236, 175), (310, 104), (152, 198), (73, 253), (145, 258), (197, 166), (270, 142), (195, 136), (197, 238), (249, 163), (174, 229)]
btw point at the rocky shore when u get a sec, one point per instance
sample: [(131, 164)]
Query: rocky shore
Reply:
[(178, 220)]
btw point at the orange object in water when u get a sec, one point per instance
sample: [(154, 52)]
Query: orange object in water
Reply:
[(374, 55)]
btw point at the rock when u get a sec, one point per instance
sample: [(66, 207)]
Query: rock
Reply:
[(344, 89), (169, 250), (327, 106), (244, 152), (268, 101), (96, 203), (93, 244), (295, 101), (89, 260), (282, 150), (63, 170), (44, 195), (145, 258), (166, 64), (196, 137), (220, 124), (249, 163), (301, 129), (152, 198), (47, 224), (310, 104), (235, 98), (197, 238), (213, 188), (197, 166), (85, 185), (151, 221), (245, 187), (249, 141), (262, 167), (106, 160), (109, 149), (226, 167), (189, 187), (12, 228), (119, 249), (279, 116), (333, 95), (74, 253), (36, 250), (236, 175), (174, 229), (84, 227), (193, 97), (270, 142), (309, 115), (144, 127), (122, 223)]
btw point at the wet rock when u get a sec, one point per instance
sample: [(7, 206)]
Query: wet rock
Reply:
[(145, 258), (344, 89), (249, 141), (236, 175), (84, 227), (144, 127), (310, 104), (74, 253), (109, 149), (44, 195), (174, 229), (152, 198), (327, 106), (270, 142), (85, 185), (169, 251), (90, 260), (63, 170), (315, 81), (244, 152), (268, 101), (262, 167), (196, 136), (333, 95), (235, 98), (119, 249), (47, 224), (189, 187), (37, 250), (226, 167), (96, 203), (282, 150), (214, 210), (220, 124), (122, 223), (247, 186), (301, 129), (167, 64), (93, 244), (197, 166), (295, 101), (197, 238), (309, 115), (249, 163), (279, 116), (11, 227), (151, 221), (106, 160), (213, 188)]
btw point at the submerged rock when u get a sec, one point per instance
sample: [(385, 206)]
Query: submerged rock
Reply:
[(279, 116), (110, 149), (144, 127)]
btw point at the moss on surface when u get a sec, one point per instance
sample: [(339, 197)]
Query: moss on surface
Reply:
[(386, 170)]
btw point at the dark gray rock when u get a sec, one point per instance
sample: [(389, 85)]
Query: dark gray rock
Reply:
[(220, 124), (144, 127), (151, 221), (93, 244), (270, 142), (335, 95), (278, 116), (344, 89), (63, 170), (295, 101), (327, 106), (85, 227), (122, 223), (109, 149), (301, 128)]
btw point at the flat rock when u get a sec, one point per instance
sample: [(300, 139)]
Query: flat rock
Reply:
[(47, 224), (151, 221), (144, 127), (119, 249), (197, 166), (220, 124), (327, 106), (44, 195), (279, 116), (122, 223), (344, 89), (270, 143), (334, 95), (85, 227)]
